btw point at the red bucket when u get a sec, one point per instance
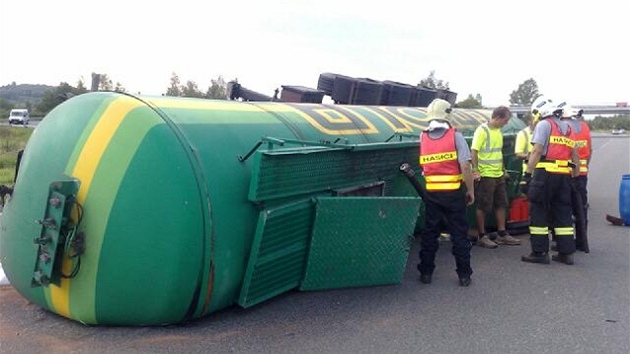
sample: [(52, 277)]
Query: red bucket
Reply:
[(519, 210)]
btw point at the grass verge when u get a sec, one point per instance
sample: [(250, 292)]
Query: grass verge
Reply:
[(12, 140)]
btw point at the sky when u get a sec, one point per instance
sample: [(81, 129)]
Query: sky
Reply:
[(576, 53)]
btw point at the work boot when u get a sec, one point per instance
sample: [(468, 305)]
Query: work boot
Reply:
[(486, 242), (465, 280), (563, 258), (536, 257), (507, 239), (425, 278), (582, 248), (579, 246)]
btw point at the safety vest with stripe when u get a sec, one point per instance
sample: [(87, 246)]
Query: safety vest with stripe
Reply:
[(583, 141), (558, 151), (527, 137), (439, 163), (490, 156)]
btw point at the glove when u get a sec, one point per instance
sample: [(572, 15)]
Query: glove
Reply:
[(527, 177)]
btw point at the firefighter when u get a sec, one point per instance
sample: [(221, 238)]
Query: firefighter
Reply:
[(445, 162), (552, 163), (579, 201)]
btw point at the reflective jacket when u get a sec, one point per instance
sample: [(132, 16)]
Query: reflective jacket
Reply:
[(523, 144), (583, 141), (490, 152), (438, 159), (558, 151)]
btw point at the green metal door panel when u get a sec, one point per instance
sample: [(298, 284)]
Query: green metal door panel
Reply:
[(278, 255), (360, 241), (282, 173)]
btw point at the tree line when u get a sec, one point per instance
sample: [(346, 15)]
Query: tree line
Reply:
[(523, 95)]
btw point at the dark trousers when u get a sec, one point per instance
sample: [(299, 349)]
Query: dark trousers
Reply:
[(550, 209), (579, 205), (451, 208)]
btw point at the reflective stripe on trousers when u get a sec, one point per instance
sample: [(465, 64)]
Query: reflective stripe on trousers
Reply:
[(550, 208)]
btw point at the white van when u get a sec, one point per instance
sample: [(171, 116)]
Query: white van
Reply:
[(19, 116)]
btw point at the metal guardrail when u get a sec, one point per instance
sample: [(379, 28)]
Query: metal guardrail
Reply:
[(588, 109)]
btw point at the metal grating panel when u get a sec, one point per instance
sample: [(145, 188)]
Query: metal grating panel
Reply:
[(360, 241), (278, 256), (280, 173)]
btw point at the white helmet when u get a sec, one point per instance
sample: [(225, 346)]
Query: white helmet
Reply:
[(567, 110), (438, 109), (564, 110), (542, 107)]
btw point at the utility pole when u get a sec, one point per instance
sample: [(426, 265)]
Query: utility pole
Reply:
[(96, 81)]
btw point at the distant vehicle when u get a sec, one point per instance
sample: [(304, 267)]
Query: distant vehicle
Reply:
[(619, 131), (19, 116)]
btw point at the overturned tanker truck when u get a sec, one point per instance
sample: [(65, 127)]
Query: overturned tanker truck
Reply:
[(154, 210)]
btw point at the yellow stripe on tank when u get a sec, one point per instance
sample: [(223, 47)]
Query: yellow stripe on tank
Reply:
[(168, 102), (86, 165)]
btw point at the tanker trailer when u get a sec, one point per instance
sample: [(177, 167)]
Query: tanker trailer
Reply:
[(155, 210)]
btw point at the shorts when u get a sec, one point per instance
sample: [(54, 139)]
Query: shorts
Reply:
[(491, 194)]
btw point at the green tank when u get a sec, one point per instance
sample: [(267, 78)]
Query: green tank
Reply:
[(154, 210)]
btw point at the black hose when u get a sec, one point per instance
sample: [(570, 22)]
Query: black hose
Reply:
[(17, 164), (411, 176)]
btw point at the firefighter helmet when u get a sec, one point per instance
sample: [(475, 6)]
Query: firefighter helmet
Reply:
[(438, 109), (567, 110), (541, 108), (563, 110)]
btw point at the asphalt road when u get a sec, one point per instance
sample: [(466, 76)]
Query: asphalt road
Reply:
[(511, 307)]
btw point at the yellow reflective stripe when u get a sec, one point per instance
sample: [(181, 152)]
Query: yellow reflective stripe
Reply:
[(443, 156), (497, 161), (490, 156), (84, 170), (539, 230), (488, 148), (492, 150), (562, 163), (443, 186), (557, 167), (444, 178), (563, 231), (583, 166), (562, 141)]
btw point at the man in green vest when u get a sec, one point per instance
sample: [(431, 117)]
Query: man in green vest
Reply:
[(489, 173), (522, 144)]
